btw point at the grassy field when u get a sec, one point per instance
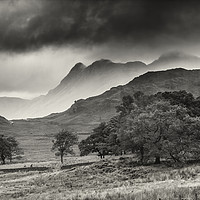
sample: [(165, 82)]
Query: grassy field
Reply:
[(111, 179), (35, 138)]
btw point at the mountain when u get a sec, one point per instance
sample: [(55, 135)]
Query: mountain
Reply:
[(175, 60), (81, 82), (86, 114), (87, 81), (12, 107), (35, 135)]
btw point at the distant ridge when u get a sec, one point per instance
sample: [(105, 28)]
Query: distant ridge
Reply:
[(87, 81), (175, 59), (81, 82), (86, 114)]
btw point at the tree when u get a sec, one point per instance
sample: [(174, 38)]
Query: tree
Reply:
[(161, 130), (96, 142), (165, 125), (8, 147), (64, 142), (183, 140), (126, 106), (184, 99)]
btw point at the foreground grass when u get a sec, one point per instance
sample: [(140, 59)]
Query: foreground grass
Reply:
[(110, 179)]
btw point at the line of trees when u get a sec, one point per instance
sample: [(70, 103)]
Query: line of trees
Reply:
[(154, 127), (161, 126)]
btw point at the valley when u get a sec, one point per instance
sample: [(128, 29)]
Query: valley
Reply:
[(35, 135), (38, 174), (99, 100)]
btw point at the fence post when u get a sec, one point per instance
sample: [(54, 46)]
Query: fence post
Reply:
[(195, 197), (179, 198)]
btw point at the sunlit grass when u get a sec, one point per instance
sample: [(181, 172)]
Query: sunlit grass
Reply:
[(111, 179)]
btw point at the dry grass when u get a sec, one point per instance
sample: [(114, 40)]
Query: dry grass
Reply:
[(110, 179)]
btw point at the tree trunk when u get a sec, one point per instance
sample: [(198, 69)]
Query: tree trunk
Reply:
[(3, 159), (142, 154), (157, 160), (103, 153), (61, 157), (174, 158), (100, 154)]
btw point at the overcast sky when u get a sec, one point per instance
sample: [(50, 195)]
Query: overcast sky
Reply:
[(40, 40)]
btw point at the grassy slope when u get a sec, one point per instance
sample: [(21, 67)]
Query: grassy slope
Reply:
[(111, 179)]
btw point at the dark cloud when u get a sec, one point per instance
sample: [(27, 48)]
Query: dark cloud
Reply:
[(29, 25)]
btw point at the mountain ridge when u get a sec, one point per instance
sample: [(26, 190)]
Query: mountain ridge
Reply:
[(80, 82), (86, 81), (84, 115)]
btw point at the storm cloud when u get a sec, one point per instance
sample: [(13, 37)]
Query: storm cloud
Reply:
[(27, 25), (41, 40)]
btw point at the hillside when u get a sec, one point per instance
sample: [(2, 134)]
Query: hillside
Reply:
[(10, 107), (3, 121), (35, 135), (88, 81), (84, 115), (81, 82)]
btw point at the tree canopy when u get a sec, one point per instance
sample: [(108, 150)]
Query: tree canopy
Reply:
[(96, 142), (8, 147), (63, 143), (161, 126)]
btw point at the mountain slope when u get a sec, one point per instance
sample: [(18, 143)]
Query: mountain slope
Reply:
[(11, 107), (3, 121), (81, 82), (84, 115)]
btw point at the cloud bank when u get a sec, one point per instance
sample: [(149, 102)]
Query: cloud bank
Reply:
[(27, 25)]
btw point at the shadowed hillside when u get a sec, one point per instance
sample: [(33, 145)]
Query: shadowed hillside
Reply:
[(4, 121), (84, 115)]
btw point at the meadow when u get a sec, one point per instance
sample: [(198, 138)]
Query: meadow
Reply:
[(113, 178), (35, 139)]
